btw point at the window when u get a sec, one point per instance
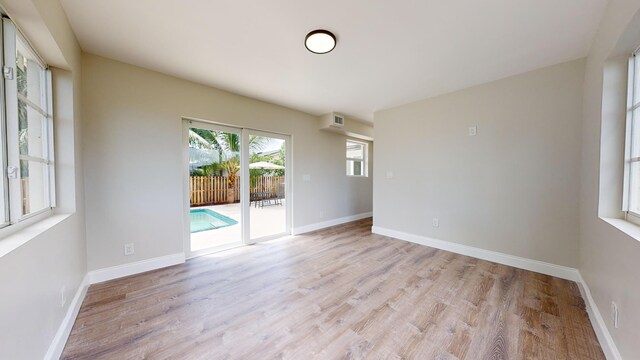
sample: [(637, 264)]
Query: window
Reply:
[(26, 146), (631, 203), (356, 158)]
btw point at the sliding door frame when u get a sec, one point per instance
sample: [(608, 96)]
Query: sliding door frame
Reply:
[(187, 224), (244, 133), (287, 181)]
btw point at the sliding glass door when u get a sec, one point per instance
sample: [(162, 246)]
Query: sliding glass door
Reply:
[(267, 185), (237, 186), (215, 196)]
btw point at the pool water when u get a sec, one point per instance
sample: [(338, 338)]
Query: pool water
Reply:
[(205, 219)]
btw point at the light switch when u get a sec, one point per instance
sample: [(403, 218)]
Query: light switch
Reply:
[(473, 130), (389, 174), (306, 177)]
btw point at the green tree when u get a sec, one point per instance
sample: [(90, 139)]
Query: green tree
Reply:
[(228, 147), (23, 121)]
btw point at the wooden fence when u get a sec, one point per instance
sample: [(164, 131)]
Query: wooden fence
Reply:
[(26, 204), (211, 190)]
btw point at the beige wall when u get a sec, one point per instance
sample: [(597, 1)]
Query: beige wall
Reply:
[(33, 275), (133, 158), (480, 188), (512, 188), (609, 259)]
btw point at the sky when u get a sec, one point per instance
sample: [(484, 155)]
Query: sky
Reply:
[(274, 144)]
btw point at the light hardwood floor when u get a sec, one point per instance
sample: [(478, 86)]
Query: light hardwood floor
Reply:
[(336, 293)]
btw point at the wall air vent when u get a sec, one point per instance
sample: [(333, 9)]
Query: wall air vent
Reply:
[(338, 120)]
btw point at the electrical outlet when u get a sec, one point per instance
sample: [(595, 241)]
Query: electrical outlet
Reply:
[(614, 314), (63, 296), (436, 222), (389, 174), (306, 178), (473, 130), (321, 214), (128, 249)]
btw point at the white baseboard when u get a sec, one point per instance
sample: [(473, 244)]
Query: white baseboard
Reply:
[(137, 267), (60, 339), (604, 337), (325, 224), (542, 267)]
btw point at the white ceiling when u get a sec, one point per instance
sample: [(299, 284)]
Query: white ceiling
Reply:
[(388, 52)]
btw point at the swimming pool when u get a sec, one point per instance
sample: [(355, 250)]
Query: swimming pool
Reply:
[(205, 219)]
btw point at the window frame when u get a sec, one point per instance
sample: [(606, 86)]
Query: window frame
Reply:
[(11, 186), (631, 140), (364, 160)]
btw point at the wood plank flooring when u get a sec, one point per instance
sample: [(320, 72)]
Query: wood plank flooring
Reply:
[(338, 293)]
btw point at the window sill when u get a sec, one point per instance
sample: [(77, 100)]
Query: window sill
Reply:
[(625, 226), (13, 239)]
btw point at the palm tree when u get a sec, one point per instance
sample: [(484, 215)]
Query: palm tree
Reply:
[(227, 144), (230, 143), (198, 141), (223, 141)]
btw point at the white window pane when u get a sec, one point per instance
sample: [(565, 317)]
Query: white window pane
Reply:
[(4, 214), (32, 131), (33, 185), (355, 150), (634, 187), (28, 126), (30, 76), (636, 90), (357, 168), (354, 168), (635, 134)]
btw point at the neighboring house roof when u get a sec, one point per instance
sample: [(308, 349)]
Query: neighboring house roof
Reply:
[(202, 157), (269, 153)]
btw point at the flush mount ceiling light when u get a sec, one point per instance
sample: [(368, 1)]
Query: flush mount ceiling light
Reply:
[(320, 41)]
